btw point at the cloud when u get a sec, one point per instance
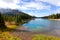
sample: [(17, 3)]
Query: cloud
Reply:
[(12, 4), (53, 2), (23, 5), (37, 14), (10, 1), (32, 5), (36, 6)]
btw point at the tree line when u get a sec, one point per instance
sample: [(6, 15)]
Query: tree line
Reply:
[(17, 18), (53, 16)]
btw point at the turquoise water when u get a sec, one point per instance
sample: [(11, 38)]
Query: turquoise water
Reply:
[(42, 25)]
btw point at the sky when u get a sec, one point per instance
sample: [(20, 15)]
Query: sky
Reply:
[(37, 8)]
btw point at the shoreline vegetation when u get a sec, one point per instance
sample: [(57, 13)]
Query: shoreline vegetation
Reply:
[(53, 16), (8, 36), (55, 19), (45, 37)]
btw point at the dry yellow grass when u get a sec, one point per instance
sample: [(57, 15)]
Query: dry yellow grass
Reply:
[(44, 37), (8, 36), (10, 25)]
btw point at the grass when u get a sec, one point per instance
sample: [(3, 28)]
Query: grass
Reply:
[(12, 26), (44, 37), (7, 36)]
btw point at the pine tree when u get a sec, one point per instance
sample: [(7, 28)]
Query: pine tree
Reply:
[(2, 23)]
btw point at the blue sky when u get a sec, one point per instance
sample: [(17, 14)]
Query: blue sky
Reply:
[(33, 7)]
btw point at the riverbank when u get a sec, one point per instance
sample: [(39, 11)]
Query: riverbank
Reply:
[(34, 36), (25, 34), (55, 19), (7, 36)]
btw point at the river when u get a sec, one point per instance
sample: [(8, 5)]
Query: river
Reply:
[(43, 26)]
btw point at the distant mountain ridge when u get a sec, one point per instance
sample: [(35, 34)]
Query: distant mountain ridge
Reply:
[(5, 10), (12, 12), (15, 13)]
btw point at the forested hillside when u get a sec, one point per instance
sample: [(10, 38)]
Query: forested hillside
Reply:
[(53, 16), (15, 15)]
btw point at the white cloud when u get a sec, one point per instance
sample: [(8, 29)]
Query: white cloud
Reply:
[(53, 2), (37, 6), (9, 4), (34, 6), (10, 1), (37, 14), (23, 5)]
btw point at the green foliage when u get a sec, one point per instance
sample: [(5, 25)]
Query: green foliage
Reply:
[(44, 37), (53, 16), (2, 23), (7, 36), (16, 17)]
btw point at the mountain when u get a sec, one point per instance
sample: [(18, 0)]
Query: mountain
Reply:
[(9, 13), (15, 15), (5, 10), (12, 12)]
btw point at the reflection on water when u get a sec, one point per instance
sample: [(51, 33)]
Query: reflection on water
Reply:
[(38, 24), (43, 25)]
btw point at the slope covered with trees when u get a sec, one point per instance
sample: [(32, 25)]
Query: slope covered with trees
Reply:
[(53, 16), (16, 16), (2, 23)]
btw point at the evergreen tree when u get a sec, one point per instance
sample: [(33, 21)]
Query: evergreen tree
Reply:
[(2, 23)]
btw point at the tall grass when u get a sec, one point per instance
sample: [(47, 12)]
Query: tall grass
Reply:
[(44, 37), (7, 36)]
